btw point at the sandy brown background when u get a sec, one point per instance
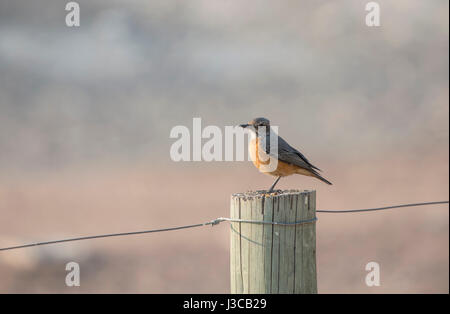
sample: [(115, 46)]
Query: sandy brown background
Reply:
[(85, 116)]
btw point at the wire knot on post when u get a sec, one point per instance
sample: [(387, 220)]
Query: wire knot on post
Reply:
[(215, 221)]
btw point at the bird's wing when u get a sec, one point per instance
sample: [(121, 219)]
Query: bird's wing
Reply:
[(289, 154)]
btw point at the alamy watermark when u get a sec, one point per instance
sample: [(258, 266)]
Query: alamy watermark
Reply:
[(73, 276), (73, 17), (373, 277), (373, 17), (227, 145)]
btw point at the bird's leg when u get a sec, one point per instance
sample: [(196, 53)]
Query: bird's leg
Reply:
[(273, 185)]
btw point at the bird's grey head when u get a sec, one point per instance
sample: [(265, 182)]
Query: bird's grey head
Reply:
[(257, 123)]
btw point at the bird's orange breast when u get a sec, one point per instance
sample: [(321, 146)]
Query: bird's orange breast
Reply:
[(262, 160), (258, 156)]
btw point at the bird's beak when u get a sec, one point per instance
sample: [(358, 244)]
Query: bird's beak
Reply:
[(244, 125)]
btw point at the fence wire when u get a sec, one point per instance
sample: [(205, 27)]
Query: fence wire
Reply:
[(216, 222)]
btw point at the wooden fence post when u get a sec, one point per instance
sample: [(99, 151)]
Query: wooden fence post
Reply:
[(266, 258)]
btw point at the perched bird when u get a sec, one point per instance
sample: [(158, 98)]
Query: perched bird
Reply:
[(288, 159)]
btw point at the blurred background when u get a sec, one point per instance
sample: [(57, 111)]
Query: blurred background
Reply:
[(85, 116)]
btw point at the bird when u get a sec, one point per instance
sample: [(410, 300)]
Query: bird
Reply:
[(288, 159)]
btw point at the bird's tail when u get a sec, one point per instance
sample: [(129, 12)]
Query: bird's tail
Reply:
[(318, 176)]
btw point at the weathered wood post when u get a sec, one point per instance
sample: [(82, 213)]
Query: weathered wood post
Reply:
[(267, 258)]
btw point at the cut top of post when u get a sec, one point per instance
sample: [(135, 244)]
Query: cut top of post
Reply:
[(263, 193)]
